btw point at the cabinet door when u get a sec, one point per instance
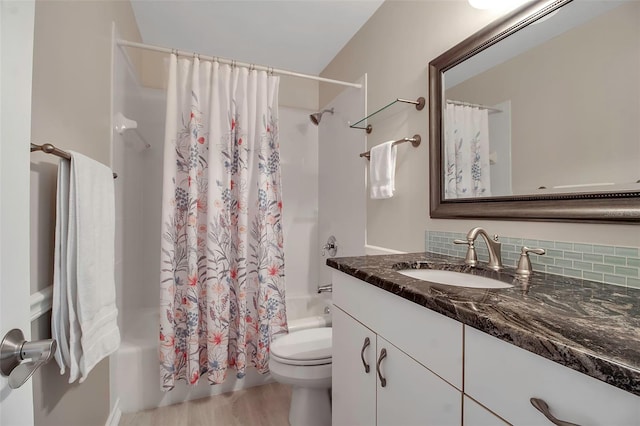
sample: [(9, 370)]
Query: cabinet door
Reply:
[(354, 390), (413, 395), (433, 340), (475, 414)]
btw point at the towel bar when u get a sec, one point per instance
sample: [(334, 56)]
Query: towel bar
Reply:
[(415, 141), (50, 149)]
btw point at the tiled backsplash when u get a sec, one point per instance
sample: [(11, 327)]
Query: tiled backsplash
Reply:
[(595, 262)]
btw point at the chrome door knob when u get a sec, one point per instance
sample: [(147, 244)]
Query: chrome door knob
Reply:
[(14, 353)]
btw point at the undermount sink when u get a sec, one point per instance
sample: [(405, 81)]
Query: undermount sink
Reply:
[(453, 278)]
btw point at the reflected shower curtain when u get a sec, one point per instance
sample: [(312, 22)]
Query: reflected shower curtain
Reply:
[(466, 152), (222, 273)]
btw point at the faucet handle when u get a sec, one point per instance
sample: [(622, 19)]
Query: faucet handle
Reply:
[(471, 258), (524, 263)]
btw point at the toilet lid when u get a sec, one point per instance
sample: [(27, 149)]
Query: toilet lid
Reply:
[(304, 347)]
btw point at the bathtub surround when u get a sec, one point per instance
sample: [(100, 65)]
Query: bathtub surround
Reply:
[(586, 326), (342, 197), (594, 262), (222, 274)]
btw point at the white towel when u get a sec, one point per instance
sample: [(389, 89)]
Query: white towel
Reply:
[(382, 170), (59, 310), (85, 322)]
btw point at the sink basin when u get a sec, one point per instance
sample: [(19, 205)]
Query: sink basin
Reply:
[(457, 279)]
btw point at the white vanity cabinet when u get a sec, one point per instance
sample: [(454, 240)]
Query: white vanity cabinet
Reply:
[(412, 352), (423, 369), (504, 378)]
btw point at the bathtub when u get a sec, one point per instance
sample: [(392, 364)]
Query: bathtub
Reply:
[(135, 380)]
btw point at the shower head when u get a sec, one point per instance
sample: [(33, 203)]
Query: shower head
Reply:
[(316, 117)]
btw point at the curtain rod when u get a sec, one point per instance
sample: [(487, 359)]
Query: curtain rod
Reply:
[(127, 43), (449, 101)]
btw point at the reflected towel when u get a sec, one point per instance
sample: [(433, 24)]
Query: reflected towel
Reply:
[(87, 318), (382, 170)]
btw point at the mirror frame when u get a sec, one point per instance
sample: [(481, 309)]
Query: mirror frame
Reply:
[(603, 207)]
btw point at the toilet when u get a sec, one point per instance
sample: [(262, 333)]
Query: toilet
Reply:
[(302, 359)]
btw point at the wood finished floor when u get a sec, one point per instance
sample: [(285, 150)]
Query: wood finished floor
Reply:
[(266, 405)]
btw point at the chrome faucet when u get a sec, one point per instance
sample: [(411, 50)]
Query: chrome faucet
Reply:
[(493, 245)]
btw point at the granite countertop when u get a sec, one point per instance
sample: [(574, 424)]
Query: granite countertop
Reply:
[(591, 327)]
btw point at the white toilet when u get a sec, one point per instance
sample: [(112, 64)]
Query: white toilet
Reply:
[(302, 359)]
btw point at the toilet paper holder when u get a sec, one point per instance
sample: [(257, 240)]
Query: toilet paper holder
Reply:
[(15, 350)]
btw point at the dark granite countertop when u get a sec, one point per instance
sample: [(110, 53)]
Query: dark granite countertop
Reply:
[(591, 327)]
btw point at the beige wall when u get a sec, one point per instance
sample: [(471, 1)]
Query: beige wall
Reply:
[(394, 48), (71, 108), (563, 101)]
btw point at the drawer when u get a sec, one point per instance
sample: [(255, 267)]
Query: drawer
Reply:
[(433, 340), (503, 378)]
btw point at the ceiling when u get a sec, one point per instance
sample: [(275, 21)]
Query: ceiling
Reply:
[(296, 35)]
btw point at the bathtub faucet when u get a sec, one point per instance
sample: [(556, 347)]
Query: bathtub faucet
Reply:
[(328, 288)]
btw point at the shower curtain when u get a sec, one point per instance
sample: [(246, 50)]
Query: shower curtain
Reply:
[(222, 273), (466, 150)]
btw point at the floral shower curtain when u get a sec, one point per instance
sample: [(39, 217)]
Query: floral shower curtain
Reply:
[(466, 151), (222, 274)]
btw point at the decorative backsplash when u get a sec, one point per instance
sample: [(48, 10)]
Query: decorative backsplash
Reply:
[(595, 262)]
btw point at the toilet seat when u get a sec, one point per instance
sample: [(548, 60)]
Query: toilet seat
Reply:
[(306, 347)]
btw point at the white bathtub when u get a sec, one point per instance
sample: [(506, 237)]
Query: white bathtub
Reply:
[(135, 372)]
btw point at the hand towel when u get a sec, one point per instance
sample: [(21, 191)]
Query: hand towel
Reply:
[(88, 320), (382, 170)]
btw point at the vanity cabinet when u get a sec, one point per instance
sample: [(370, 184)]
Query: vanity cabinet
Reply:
[(504, 378), (423, 369), (403, 346)]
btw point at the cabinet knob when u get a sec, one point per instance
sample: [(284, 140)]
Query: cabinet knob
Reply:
[(542, 406), (383, 355), (366, 344)]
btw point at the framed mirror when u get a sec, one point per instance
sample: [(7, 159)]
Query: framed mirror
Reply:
[(537, 116)]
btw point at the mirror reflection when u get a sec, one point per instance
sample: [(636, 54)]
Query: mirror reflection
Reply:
[(554, 108)]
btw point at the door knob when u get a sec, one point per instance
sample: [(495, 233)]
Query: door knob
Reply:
[(14, 353)]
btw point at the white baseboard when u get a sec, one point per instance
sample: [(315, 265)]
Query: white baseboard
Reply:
[(114, 416), (372, 250)]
